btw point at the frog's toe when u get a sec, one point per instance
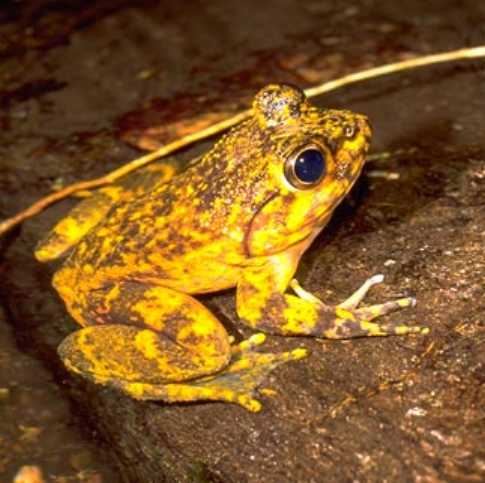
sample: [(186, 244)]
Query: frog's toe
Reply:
[(239, 381), (252, 362), (297, 354), (209, 390), (249, 344)]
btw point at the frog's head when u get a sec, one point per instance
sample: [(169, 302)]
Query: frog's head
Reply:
[(311, 158)]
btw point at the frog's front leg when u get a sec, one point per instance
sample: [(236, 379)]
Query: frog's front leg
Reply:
[(153, 342), (263, 304)]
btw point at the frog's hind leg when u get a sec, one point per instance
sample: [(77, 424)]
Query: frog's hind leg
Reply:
[(156, 343), (95, 206), (236, 383)]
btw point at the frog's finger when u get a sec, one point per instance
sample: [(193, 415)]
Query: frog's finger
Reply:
[(354, 300), (303, 294), (374, 311), (347, 328), (410, 329), (392, 329)]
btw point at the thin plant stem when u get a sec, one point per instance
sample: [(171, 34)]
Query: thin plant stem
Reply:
[(40, 205)]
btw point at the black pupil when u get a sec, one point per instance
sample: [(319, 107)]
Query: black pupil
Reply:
[(310, 166)]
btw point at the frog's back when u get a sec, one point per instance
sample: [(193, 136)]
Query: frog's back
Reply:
[(185, 234)]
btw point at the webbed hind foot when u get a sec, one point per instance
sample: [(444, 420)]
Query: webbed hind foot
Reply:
[(236, 383)]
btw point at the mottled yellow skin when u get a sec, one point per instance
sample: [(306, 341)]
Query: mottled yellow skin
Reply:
[(233, 219)]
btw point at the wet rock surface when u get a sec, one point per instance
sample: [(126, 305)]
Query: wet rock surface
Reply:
[(395, 409)]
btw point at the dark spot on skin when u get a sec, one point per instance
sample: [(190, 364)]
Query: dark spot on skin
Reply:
[(164, 204), (175, 322), (340, 332), (351, 328), (118, 311), (271, 315), (192, 340), (181, 245)]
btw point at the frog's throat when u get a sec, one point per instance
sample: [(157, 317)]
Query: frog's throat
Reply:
[(316, 222)]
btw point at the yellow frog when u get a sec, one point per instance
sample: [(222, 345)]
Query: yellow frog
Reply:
[(242, 216)]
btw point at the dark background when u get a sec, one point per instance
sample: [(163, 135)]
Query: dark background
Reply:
[(82, 84)]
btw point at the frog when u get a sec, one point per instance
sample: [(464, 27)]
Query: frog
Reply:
[(241, 216)]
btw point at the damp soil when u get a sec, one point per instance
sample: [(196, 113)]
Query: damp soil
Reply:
[(82, 84)]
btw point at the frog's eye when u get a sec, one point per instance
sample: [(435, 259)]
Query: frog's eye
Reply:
[(306, 168)]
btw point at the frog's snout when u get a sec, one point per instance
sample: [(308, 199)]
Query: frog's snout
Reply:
[(357, 131), (359, 134)]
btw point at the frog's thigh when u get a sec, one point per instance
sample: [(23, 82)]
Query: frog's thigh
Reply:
[(92, 210), (71, 229), (151, 335)]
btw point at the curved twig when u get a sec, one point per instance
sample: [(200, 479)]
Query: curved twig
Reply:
[(218, 127)]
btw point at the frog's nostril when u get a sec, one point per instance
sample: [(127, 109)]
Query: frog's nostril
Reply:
[(349, 131), (360, 124)]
